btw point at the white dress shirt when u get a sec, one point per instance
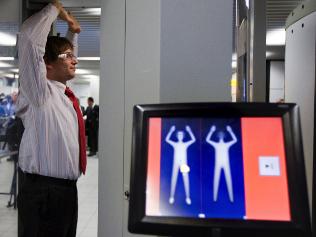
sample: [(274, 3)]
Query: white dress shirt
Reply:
[(50, 142)]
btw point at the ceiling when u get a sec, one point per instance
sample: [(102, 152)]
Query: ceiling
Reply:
[(89, 17), (278, 11)]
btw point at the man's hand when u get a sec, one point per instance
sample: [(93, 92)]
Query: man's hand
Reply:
[(62, 12), (73, 24)]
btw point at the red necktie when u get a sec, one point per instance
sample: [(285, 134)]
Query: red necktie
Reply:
[(82, 136)]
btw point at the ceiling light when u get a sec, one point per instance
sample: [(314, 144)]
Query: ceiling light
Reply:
[(89, 58), (276, 37), (7, 39), (6, 58), (82, 71), (16, 70), (5, 64), (11, 75), (247, 3), (93, 11)]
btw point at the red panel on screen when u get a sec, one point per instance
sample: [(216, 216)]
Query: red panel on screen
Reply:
[(266, 188), (153, 171)]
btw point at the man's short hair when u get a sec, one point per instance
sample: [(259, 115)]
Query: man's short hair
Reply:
[(56, 45), (91, 99)]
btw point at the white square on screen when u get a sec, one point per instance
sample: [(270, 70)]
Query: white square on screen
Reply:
[(269, 166)]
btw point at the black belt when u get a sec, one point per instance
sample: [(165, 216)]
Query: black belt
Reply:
[(48, 180)]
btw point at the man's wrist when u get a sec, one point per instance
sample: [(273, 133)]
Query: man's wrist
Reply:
[(57, 4), (73, 24)]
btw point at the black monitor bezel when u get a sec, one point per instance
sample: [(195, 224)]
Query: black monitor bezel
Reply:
[(140, 223)]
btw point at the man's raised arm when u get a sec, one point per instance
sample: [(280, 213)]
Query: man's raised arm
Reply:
[(32, 41), (74, 29)]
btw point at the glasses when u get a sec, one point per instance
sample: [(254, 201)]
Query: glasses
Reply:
[(67, 55)]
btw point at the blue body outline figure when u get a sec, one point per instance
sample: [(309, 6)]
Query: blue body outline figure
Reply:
[(222, 160), (180, 161)]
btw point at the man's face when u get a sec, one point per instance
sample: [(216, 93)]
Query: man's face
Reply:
[(14, 96), (90, 103), (65, 67)]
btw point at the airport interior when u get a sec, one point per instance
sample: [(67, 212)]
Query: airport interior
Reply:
[(207, 83)]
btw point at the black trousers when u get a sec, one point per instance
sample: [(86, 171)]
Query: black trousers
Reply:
[(47, 207), (93, 140)]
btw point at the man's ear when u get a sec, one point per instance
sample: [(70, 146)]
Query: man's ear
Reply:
[(49, 66)]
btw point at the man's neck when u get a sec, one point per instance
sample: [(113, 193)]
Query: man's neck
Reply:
[(61, 81)]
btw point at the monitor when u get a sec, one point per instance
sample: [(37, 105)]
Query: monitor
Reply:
[(218, 169)]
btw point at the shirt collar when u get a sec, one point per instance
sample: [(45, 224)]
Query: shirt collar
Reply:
[(58, 84)]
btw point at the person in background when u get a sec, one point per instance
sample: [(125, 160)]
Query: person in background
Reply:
[(92, 126), (14, 128), (52, 153), (7, 104), (11, 103)]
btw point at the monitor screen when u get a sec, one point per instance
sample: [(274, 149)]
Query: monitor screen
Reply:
[(219, 166)]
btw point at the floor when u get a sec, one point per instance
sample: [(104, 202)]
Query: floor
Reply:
[(87, 197)]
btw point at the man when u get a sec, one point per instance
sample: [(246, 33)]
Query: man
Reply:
[(14, 128), (92, 126), (11, 103), (52, 151)]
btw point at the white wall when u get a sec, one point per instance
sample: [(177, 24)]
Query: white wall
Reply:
[(277, 72), (193, 58), (94, 89), (134, 46), (300, 82), (86, 88)]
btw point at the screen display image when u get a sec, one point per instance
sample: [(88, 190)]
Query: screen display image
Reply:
[(218, 169), (231, 168)]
